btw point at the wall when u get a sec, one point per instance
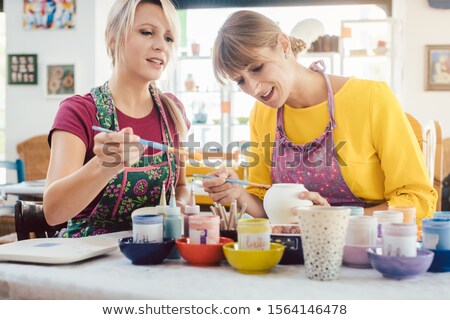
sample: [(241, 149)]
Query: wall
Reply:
[(28, 111), (422, 26)]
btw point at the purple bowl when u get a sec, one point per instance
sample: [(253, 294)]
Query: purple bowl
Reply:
[(356, 256), (400, 267)]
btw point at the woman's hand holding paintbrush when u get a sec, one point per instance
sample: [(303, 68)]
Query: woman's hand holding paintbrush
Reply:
[(133, 139)]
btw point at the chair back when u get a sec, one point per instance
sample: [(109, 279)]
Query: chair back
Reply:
[(30, 221), (429, 137), (35, 154), (17, 165)]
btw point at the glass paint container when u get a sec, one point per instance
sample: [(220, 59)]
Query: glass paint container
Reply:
[(147, 228), (436, 234), (362, 231), (384, 216), (399, 239), (204, 229), (253, 234)]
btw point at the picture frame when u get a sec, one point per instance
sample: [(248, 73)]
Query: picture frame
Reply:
[(22, 69), (50, 14), (60, 80), (438, 67)]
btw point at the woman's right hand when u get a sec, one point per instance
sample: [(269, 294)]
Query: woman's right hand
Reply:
[(221, 191), (119, 149)]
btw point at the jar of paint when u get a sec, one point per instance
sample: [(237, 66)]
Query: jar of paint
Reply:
[(147, 228), (436, 234), (362, 231), (253, 234), (204, 229), (409, 213), (399, 239), (384, 216)]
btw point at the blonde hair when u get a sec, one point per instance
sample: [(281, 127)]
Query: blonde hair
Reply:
[(242, 33), (119, 26)]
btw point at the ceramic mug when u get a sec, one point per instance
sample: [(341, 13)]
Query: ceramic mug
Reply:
[(281, 200)]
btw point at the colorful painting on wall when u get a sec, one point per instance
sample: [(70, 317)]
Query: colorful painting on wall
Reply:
[(49, 14), (60, 80)]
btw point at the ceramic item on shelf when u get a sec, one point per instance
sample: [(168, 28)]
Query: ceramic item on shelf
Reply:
[(323, 236), (202, 254), (400, 267), (146, 253), (281, 200), (253, 261)]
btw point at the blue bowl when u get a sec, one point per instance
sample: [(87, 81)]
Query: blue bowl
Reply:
[(400, 267), (441, 261), (146, 253)]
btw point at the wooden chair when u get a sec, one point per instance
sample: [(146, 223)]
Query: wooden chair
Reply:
[(35, 153), (31, 223), (429, 137), (7, 211)]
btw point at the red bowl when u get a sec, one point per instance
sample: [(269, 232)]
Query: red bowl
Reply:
[(202, 254)]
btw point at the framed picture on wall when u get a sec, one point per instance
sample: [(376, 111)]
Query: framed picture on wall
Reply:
[(60, 80), (49, 14), (438, 67), (22, 69)]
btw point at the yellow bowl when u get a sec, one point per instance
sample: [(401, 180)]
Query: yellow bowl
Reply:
[(253, 261)]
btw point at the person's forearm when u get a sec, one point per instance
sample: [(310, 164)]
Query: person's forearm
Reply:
[(68, 196), (254, 204), (369, 211)]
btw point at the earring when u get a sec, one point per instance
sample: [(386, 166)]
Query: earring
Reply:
[(287, 55)]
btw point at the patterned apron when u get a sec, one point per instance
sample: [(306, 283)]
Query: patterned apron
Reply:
[(313, 164), (135, 187)]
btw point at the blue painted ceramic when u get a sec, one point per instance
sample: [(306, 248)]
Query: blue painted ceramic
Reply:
[(146, 253), (394, 267)]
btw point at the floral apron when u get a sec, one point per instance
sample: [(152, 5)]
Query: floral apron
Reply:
[(135, 187), (313, 164)]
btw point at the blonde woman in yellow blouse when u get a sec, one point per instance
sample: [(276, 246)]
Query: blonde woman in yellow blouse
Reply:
[(347, 140)]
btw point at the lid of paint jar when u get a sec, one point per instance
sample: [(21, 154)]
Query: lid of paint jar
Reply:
[(399, 230)]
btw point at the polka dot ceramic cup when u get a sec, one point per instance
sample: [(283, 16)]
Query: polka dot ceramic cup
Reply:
[(323, 235)]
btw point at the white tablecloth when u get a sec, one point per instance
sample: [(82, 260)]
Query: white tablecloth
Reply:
[(114, 277)]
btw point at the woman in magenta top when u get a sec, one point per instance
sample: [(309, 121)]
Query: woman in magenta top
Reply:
[(95, 180)]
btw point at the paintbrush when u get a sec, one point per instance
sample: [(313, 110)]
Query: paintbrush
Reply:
[(153, 144), (241, 182)]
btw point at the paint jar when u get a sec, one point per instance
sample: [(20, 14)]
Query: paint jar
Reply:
[(436, 234), (253, 234), (188, 212), (204, 229), (409, 213), (399, 239), (362, 231), (356, 211), (441, 215), (147, 228), (384, 216)]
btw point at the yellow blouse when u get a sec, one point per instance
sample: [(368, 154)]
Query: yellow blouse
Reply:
[(381, 159)]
